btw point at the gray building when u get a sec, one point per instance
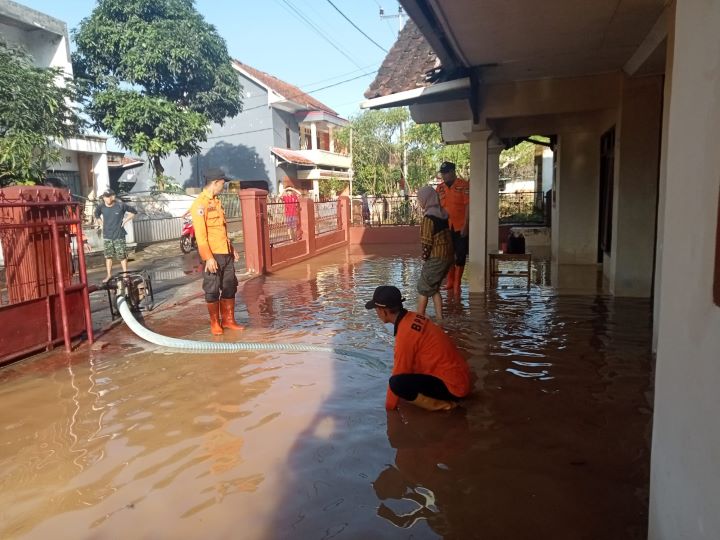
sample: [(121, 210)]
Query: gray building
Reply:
[(283, 137)]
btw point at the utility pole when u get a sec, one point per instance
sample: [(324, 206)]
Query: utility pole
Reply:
[(400, 16), (351, 171)]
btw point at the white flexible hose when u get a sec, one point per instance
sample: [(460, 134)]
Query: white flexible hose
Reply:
[(212, 346)]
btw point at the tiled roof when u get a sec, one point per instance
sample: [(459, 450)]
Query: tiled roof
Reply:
[(116, 160), (406, 64), (291, 156), (286, 90)]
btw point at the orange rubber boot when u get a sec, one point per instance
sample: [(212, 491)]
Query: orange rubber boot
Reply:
[(451, 278), (214, 312), (458, 278), (227, 309)]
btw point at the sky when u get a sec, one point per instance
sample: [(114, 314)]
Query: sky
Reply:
[(268, 35)]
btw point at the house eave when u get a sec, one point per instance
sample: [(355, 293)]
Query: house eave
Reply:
[(454, 89)]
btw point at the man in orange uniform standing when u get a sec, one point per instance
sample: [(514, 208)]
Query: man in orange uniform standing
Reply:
[(428, 370), (219, 280), (454, 194)]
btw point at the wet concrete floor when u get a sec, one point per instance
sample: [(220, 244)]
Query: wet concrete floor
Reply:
[(133, 441)]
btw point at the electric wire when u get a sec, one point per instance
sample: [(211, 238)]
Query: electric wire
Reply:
[(318, 31), (356, 26)]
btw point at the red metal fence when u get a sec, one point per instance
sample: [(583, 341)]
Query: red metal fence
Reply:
[(273, 242), (384, 210), (43, 282), (327, 217), (283, 222)]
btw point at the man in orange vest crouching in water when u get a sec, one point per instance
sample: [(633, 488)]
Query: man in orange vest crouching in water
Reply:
[(428, 370), (219, 280), (454, 195)]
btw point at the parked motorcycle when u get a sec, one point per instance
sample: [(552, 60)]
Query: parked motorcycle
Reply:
[(187, 236)]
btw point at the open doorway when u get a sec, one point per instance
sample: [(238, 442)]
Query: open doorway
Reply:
[(525, 181), (607, 180)]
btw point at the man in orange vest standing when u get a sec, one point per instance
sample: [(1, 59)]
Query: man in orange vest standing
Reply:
[(454, 194), (219, 280)]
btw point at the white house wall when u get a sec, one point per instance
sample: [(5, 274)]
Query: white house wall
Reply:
[(47, 49), (68, 161), (575, 214), (637, 152), (685, 461)]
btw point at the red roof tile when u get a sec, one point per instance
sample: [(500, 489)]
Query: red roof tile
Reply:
[(292, 156), (115, 160), (286, 90)]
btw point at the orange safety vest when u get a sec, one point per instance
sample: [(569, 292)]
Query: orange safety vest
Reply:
[(208, 219), (455, 200), (424, 348)]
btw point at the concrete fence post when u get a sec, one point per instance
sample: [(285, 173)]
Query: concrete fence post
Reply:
[(307, 213), (253, 204), (345, 218)]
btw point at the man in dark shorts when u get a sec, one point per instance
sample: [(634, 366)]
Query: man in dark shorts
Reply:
[(113, 215), (428, 370), (219, 281)]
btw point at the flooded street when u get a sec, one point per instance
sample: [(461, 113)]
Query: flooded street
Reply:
[(133, 441)]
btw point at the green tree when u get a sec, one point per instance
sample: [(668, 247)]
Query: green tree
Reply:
[(426, 150), (156, 74), (518, 162), (37, 112), (377, 155)]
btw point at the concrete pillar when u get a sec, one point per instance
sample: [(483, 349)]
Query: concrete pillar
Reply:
[(100, 172), (575, 211), (332, 138), (637, 152), (313, 135), (662, 181), (493, 187), (478, 209), (253, 205), (685, 467), (316, 190), (547, 170), (344, 215), (307, 222)]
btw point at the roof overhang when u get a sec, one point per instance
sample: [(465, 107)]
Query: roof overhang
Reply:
[(443, 91), (29, 19), (292, 157), (500, 39), (320, 116)]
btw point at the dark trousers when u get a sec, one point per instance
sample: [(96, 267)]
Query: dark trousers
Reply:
[(409, 385), (461, 245), (223, 283)]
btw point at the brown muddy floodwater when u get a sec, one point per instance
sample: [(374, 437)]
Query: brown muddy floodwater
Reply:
[(134, 442)]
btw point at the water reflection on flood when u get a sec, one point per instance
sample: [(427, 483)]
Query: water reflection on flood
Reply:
[(135, 442)]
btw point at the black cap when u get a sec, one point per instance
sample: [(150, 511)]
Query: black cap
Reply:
[(108, 193), (447, 166), (216, 173), (386, 296)]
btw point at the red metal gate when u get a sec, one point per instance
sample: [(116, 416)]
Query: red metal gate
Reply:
[(43, 281)]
